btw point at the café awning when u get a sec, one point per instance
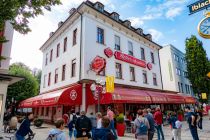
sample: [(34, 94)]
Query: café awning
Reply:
[(157, 97), (189, 100), (71, 95)]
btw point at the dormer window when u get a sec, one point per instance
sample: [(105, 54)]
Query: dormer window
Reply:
[(139, 31), (149, 36), (127, 23), (99, 6), (115, 16)]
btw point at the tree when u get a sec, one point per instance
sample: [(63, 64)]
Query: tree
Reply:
[(38, 77), (25, 88), (18, 12), (197, 65)]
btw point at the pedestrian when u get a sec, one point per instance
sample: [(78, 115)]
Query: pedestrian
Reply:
[(7, 118), (149, 112), (93, 120), (172, 120), (103, 133), (141, 125), (151, 121), (24, 128), (83, 127), (158, 117), (71, 126), (191, 119), (99, 119), (200, 118), (110, 115)]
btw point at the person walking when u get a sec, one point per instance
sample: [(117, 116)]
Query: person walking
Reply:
[(83, 127), (103, 133), (141, 125), (158, 117), (24, 128), (191, 120), (93, 120), (110, 115), (151, 121), (200, 118), (58, 133), (172, 120), (99, 119)]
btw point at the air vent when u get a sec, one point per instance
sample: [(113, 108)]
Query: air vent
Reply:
[(72, 11), (51, 33)]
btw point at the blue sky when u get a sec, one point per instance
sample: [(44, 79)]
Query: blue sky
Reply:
[(167, 20)]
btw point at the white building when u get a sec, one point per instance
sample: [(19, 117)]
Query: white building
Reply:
[(91, 32), (174, 70), (5, 78)]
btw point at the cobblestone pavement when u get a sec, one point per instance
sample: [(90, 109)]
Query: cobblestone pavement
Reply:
[(42, 133)]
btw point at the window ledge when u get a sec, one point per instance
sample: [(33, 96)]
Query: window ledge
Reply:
[(101, 43), (133, 80)]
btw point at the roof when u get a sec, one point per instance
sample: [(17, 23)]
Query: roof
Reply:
[(10, 78)]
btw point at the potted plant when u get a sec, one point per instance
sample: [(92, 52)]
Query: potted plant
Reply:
[(120, 125), (38, 122), (180, 115)]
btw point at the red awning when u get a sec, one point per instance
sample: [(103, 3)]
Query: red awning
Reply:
[(125, 95), (68, 96), (175, 98), (157, 97), (189, 100)]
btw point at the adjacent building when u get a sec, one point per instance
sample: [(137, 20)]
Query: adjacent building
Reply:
[(174, 70)]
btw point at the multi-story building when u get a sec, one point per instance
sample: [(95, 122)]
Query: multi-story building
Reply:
[(174, 70), (5, 78), (90, 40)]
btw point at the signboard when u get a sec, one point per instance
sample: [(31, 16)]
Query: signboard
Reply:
[(98, 64), (203, 96), (149, 66), (208, 74), (110, 84), (130, 59), (198, 6), (108, 52)]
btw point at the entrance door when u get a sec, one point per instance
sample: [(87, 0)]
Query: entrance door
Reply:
[(53, 114)]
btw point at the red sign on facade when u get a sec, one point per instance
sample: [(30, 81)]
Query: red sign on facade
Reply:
[(149, 66), (129, 59), (98, 64), (108, 52)]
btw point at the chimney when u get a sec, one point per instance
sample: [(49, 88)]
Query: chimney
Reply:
[(60, 23), (51, 33), (72, 11)]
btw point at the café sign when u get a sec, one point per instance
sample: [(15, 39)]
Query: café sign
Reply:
[(198, 6), (98, 64)]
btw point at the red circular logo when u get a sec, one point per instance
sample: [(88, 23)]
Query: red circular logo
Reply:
[(108, 52), (73, 95), (149, 66), (98, 64)]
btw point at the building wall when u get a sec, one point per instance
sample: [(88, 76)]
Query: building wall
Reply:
[(91, 49)]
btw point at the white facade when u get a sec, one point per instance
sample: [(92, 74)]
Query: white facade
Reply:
[(174, 71)]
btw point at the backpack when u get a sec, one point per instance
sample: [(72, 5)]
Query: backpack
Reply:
[(142, 130), (53, 136)]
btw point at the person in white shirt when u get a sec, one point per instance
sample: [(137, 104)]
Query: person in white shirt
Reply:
[(99, 119)]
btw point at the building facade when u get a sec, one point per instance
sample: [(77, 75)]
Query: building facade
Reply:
[(174, 70), (90, 40)]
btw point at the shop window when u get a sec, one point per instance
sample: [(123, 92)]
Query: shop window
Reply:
[(117, 42), (56, 75), (51, 55), (58, 50), (42, 111), (100, 35), (73, 68), (118, 68), (132, 74), (152, 57), (47, 111), (44, 83), (63, 72), (75, 37), (144, 77), (154, 79), (130, 48), (142, 54), (65, 44), (46, 59), (49, 78), (37, 111)]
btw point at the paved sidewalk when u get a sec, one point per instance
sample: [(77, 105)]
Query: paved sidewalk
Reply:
[(42, 133)]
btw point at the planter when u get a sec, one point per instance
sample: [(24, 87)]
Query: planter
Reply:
[(120, 129)]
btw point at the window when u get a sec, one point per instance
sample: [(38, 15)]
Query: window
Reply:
[(154, 79), (117, 42), (178, 71), (179, 87), (100, 35), (47, 111), (51, 55), (58, 50), (56, 75), (75, 37), (65, 44), (46, 59), (44, 84), (101, 8), (49, 78), (152, 57), (130, 48), (185, 74), (187, 88), (182, 88), (118, 70), (63, 72), (102, 73), (142, 54), (42, 111), (176, 58), (132, 73), (73, 68), (144, 77)]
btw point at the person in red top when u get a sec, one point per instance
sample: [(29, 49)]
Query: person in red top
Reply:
[(158, 117)]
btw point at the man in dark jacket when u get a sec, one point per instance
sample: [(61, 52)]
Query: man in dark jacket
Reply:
[(24, 128), (83, 127), (151, 121), (103, 133)]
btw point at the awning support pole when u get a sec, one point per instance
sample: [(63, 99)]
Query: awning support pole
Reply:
[(83, 106)]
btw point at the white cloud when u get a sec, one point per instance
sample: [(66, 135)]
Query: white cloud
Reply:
[(151, 16), (173, 12), (156, 35), (136, 21)]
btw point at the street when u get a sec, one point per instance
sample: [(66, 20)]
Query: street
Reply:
[(42, 133)]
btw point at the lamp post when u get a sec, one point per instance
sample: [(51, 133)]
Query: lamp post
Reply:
[(97, 89)]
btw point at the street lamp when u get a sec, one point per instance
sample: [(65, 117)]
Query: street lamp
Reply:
[(97, 88)]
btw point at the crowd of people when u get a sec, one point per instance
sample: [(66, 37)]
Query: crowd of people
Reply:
[(99, 127)]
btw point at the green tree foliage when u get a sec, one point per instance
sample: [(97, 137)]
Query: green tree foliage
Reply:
[(25, 88), (197, 65), (18, 12), (38, 77)]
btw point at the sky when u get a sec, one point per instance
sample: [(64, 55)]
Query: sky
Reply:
[(168, 21)]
